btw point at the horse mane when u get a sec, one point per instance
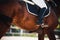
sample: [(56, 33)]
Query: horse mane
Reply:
[(22, 3), (57, 2), (7, 1)]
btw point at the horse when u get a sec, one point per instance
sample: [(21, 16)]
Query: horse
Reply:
[(44, 31), (15, 12), (56, 8)]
